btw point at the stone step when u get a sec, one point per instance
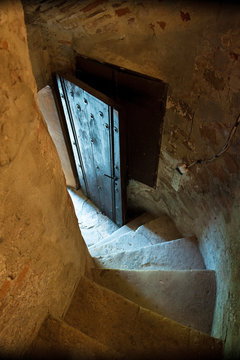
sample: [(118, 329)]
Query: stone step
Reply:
[(125, 229), (181, 254), (58, 340), (152, 232), (126, 242), (136, 332), (187, 296), (163, 227), (93, 224)]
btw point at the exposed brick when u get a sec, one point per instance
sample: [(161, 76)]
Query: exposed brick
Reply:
[(152, 27), (116, 5), (123, 11), (4, 45), (131, 21), (93, 5), (162, 24), (68, 7), (185, 16), (233, 56), (96, 22), (110, 28), (95, 13), (4, 288), (21, 277)]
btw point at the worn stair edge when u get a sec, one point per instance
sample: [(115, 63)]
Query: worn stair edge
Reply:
[(180, 254), (57, 339), (94, 225), (128, 228), (186, 296), (162, 227), (134, 331), (126, 242)]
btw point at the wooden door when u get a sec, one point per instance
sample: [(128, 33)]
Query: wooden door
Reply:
[(94, 126), (144, 101)]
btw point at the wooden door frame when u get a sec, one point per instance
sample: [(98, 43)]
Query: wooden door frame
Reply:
[(65, 130)]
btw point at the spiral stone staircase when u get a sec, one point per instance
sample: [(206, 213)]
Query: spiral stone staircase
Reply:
[(148, 296)]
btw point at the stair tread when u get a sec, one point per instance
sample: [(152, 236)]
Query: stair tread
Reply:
[(126, 242), (187, 296), (94, 225), (130, 329), (162, 227), (180, 254), (130, 227), (60, 339), (153, 232)]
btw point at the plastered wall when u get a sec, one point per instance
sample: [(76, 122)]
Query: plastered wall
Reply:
[(42, 253), (48, 109), (195, 48)]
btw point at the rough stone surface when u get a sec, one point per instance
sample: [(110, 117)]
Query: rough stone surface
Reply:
[(181, 254), (184, 296), (194, 47), (127, 229), (162, 227), (127, 242), (150, 233), (94, 226), (56, 339), (134, 331), (42, 253)]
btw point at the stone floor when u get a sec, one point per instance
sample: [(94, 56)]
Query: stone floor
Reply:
[(93, 224)]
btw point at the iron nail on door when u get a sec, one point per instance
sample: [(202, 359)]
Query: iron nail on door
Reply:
[(115, 178)]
